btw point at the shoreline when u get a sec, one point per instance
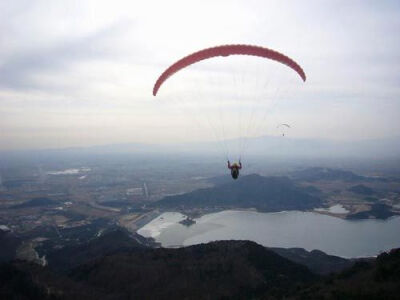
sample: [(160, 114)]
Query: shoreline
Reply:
[(172, 219), (199, 212), (146, 218)]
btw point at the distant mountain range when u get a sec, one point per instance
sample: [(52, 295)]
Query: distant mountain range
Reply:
[(319, 173), (261, 146), (251, 191)]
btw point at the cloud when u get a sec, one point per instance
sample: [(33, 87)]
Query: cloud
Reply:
[(68, 68), (19, 70)]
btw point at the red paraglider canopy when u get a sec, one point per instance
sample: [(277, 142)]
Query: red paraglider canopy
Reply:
[(227, 50)]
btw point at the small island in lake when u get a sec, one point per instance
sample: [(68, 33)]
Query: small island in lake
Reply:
[(187, 222)]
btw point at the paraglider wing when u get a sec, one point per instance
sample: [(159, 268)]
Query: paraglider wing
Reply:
[(224, 51), (283, 125)]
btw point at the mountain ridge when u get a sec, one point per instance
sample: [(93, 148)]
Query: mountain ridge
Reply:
[(251, 191), (222, 269)]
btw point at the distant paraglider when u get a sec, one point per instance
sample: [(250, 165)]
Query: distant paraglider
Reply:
[(283, 127)]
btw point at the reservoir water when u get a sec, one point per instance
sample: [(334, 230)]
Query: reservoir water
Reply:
[(287, 229)]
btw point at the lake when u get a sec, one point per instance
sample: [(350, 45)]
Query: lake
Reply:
[(308, 230)]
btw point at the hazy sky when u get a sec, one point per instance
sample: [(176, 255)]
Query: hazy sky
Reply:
[(77, 73)]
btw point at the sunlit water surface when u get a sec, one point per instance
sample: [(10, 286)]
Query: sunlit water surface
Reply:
[(284, 229)]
